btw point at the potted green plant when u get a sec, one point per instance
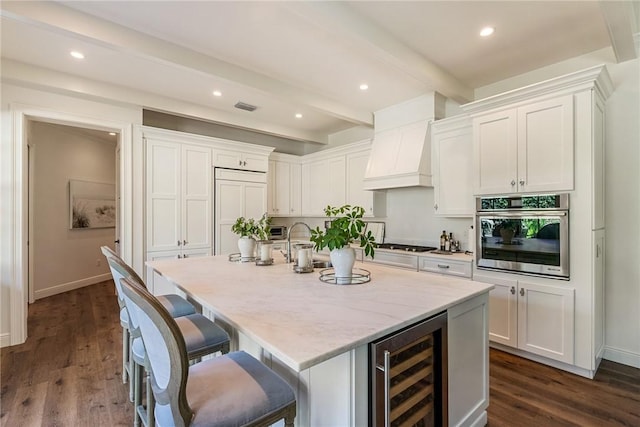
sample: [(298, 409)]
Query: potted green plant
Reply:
[(249, 230), (346, 227)]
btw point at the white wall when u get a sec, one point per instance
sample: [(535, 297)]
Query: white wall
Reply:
[(622, 186), (17, 105), (66, 259), (410, 219)]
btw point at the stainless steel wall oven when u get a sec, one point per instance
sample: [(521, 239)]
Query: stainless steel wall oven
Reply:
[(408, 376), (525, 234)]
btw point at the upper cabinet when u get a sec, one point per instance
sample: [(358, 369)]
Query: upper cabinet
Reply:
[(373, 202), (242, 160), (324, 183), (526, 149), (524, 141), (336, 177), (285, 185), (451, 145)]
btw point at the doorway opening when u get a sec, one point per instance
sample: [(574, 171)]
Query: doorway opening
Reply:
[(73, 174)]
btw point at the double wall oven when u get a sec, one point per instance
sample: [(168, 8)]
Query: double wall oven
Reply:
[(525, 234)]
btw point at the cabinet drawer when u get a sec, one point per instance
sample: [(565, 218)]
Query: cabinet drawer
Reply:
[(395, 260), (450, 267)]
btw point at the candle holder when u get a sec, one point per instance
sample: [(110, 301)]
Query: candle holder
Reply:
[(303, 258), (264, 252)]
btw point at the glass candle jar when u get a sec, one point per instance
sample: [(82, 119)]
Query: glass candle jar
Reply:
[(265, 250), (304, 257)]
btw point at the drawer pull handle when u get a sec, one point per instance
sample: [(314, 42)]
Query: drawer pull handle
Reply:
[(443, 266)]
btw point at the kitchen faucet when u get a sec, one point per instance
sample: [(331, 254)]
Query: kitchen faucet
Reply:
[(288, 255)]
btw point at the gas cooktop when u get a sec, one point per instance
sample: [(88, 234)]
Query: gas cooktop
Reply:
[(406, 248)]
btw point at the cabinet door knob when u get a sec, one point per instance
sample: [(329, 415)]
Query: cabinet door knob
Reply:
[(179, 243), (179, 256), (185, 256), (184, 242), (513, 182), (521, 292), (239, 162), (522, 182), (443, 266), (513, 290), (435, 206)]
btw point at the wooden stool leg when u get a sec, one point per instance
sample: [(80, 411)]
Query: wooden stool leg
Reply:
[(137, 400), (151, 402)]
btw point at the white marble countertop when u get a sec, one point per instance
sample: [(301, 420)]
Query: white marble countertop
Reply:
[(303, 321)]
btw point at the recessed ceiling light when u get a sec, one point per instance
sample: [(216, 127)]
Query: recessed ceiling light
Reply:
[(217, 93), (487, 31), (364, 86), (298, 116), (112, 133), (77, 55)]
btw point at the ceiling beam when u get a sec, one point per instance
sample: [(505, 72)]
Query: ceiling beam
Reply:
[(339, 18), (620, 18), (67, 21)]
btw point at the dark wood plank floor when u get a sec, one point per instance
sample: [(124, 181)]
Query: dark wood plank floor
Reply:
[(68, 373)]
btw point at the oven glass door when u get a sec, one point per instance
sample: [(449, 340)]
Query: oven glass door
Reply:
[(529, 242)]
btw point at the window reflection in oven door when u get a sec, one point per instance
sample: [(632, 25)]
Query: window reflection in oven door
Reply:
[(531, 242)]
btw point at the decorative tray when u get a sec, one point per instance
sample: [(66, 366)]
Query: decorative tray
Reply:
[(358, 276), (237, 258)]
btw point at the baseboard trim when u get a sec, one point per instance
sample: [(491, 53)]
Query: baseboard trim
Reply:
[(5, 340), (65, 287), (544, 360), (619, 355)]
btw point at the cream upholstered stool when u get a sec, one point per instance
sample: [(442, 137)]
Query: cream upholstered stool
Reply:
[(201, 335), (231, 390)]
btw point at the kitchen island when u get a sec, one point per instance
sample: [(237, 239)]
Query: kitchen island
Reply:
[(316, 334)]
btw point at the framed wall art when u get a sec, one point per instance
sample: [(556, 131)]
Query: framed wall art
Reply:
[(91, 205)]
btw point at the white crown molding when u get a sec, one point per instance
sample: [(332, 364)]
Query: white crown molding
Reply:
[(595, 77)]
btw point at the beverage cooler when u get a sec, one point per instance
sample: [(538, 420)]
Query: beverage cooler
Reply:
[(408, 376)]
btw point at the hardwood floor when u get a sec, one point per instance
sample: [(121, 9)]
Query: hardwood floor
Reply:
[(68, 373)]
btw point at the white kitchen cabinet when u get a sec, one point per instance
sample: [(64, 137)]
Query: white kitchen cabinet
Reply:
[(533, 317), (240, 160), (441, 265), (284, 188), (526, 149), (238, 194), (452, 149), (373, 202), (178, 196), (323, 184)]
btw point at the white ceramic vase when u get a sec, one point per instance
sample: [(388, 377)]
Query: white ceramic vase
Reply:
[(247, 247), (343, 260)]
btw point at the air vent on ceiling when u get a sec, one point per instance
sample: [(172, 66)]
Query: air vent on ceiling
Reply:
[(245, 106)]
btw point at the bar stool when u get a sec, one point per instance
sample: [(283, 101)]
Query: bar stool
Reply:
[(231, 390), (202, 336)]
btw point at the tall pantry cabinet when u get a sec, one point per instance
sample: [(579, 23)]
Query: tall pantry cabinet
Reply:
[(178, 201), (549, 138)]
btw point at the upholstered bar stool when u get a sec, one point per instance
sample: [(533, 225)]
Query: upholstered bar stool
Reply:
[(231, 390), (175, 304), (201, 335)]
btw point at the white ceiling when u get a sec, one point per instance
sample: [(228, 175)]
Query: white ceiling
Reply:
[(290, 57)]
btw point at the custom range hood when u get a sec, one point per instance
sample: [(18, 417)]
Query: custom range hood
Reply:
[(401, 149)]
